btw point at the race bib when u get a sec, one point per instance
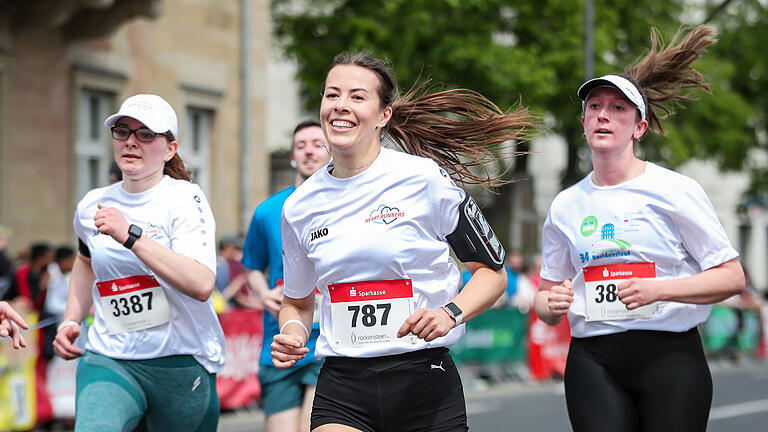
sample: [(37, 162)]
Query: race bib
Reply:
[(368, 313), (133, 303), (602, 298)]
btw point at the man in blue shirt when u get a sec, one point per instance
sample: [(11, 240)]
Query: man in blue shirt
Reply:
[(286, 394)]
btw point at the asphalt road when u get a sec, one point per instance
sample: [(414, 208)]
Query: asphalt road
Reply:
[(740, 404)]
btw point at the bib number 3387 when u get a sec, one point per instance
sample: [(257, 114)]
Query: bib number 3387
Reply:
[(371, 312), (602, 284), (133, 303)]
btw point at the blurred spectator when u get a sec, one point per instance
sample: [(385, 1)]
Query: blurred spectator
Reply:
[(56, 295), (6, 265), (231, 276), (32, 277)]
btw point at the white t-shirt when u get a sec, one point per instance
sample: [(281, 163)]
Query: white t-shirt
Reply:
[(659, 217), (386, 223), (176, 214)]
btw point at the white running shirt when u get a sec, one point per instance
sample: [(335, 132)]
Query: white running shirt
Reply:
[(659, 217), (386, 223), (176, 214)]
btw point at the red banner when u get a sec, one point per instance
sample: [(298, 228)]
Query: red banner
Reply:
[(238, 383), (547, 347)]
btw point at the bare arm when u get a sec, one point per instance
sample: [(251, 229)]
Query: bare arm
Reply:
[(271, 298), (289, 346), (481, 291), (79, 302), (710, 286), (552, 300), (181, 272)]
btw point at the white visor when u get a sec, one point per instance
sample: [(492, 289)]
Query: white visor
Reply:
[(624, 85)]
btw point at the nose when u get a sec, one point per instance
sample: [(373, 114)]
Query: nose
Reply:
[(341, 104), (602, 114)]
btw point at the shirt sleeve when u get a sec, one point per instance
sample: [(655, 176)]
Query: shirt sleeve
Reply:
[(556, 263), (444, 200), (192, 227), (700, 230), (255, 251), (298, 272)]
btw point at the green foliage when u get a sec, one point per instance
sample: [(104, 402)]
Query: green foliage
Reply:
[(533, 51)]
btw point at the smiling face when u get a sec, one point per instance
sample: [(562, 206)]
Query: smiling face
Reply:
[(139, 160), (351, 113), (309, 152), (611, 121)]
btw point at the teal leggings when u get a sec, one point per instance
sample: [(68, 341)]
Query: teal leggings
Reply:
[(172, 394)]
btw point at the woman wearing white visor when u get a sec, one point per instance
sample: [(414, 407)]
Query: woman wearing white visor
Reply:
[(147, 264), (634, 255)]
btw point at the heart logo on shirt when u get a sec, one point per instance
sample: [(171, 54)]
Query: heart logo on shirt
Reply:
[(387, 214)]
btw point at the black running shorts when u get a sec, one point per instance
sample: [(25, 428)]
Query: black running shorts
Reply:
[(416, 391)]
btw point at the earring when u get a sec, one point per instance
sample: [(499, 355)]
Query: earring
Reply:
[(293, 164)]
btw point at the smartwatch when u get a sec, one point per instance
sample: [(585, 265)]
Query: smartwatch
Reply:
[(134, 232), (454, 311)]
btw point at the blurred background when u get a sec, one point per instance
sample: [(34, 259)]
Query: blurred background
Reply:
[(241, 74)]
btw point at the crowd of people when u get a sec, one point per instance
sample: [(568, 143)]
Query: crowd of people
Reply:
[(355, 265)]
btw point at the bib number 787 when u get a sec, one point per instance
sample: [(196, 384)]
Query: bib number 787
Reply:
[(369, 313)]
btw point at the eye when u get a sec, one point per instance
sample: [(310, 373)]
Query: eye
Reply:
[(120, 132), (145, 135), (331, 95), (619, 107), (593, 105), (358, 97)]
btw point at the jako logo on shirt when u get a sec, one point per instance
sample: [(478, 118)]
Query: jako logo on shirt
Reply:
[(322, 232), (385, 215)]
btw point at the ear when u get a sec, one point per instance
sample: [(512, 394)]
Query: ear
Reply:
[(173, 147), (640, 128), (385, 117)]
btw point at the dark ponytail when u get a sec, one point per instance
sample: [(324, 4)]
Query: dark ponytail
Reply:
[(175, 167), (460, 129)]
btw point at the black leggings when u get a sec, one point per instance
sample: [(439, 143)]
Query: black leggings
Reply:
[(638, 380)]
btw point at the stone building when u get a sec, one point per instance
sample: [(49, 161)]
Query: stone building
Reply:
[(65, 65)]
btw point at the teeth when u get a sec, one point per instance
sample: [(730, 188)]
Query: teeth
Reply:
[(342, 123)]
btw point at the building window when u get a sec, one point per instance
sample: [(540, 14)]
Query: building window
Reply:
[(195, 145), (93, 151)]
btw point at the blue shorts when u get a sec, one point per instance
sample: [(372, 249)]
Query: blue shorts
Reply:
[(283, 389), (172, 393)]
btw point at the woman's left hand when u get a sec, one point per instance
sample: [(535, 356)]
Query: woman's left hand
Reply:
[(638, 292), (427, 324), (110, 221)]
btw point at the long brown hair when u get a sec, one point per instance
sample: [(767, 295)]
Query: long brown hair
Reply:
[(175, 167), (460, 129), (664, 75)]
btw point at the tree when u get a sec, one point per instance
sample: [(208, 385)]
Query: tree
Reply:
[(532, 50)]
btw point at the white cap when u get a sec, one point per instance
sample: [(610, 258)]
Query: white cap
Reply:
[(152, 110), (617, 81)]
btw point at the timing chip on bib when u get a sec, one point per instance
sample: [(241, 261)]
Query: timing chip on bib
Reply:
[(473, 239)]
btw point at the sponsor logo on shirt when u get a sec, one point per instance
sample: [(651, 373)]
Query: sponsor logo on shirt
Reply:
[(608, 246), (322, 232), (151, 230), (385, 214)]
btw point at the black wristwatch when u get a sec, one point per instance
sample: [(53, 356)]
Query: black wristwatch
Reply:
[(454, 311), (134, 232)]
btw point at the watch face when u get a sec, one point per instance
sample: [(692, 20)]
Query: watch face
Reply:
[(453, 309), (134, 231)]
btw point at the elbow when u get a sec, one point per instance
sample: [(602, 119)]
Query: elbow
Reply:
[(739, 285), (203, 289)]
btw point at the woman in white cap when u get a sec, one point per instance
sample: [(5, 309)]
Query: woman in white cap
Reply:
[(146, 263), (634, 254)]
